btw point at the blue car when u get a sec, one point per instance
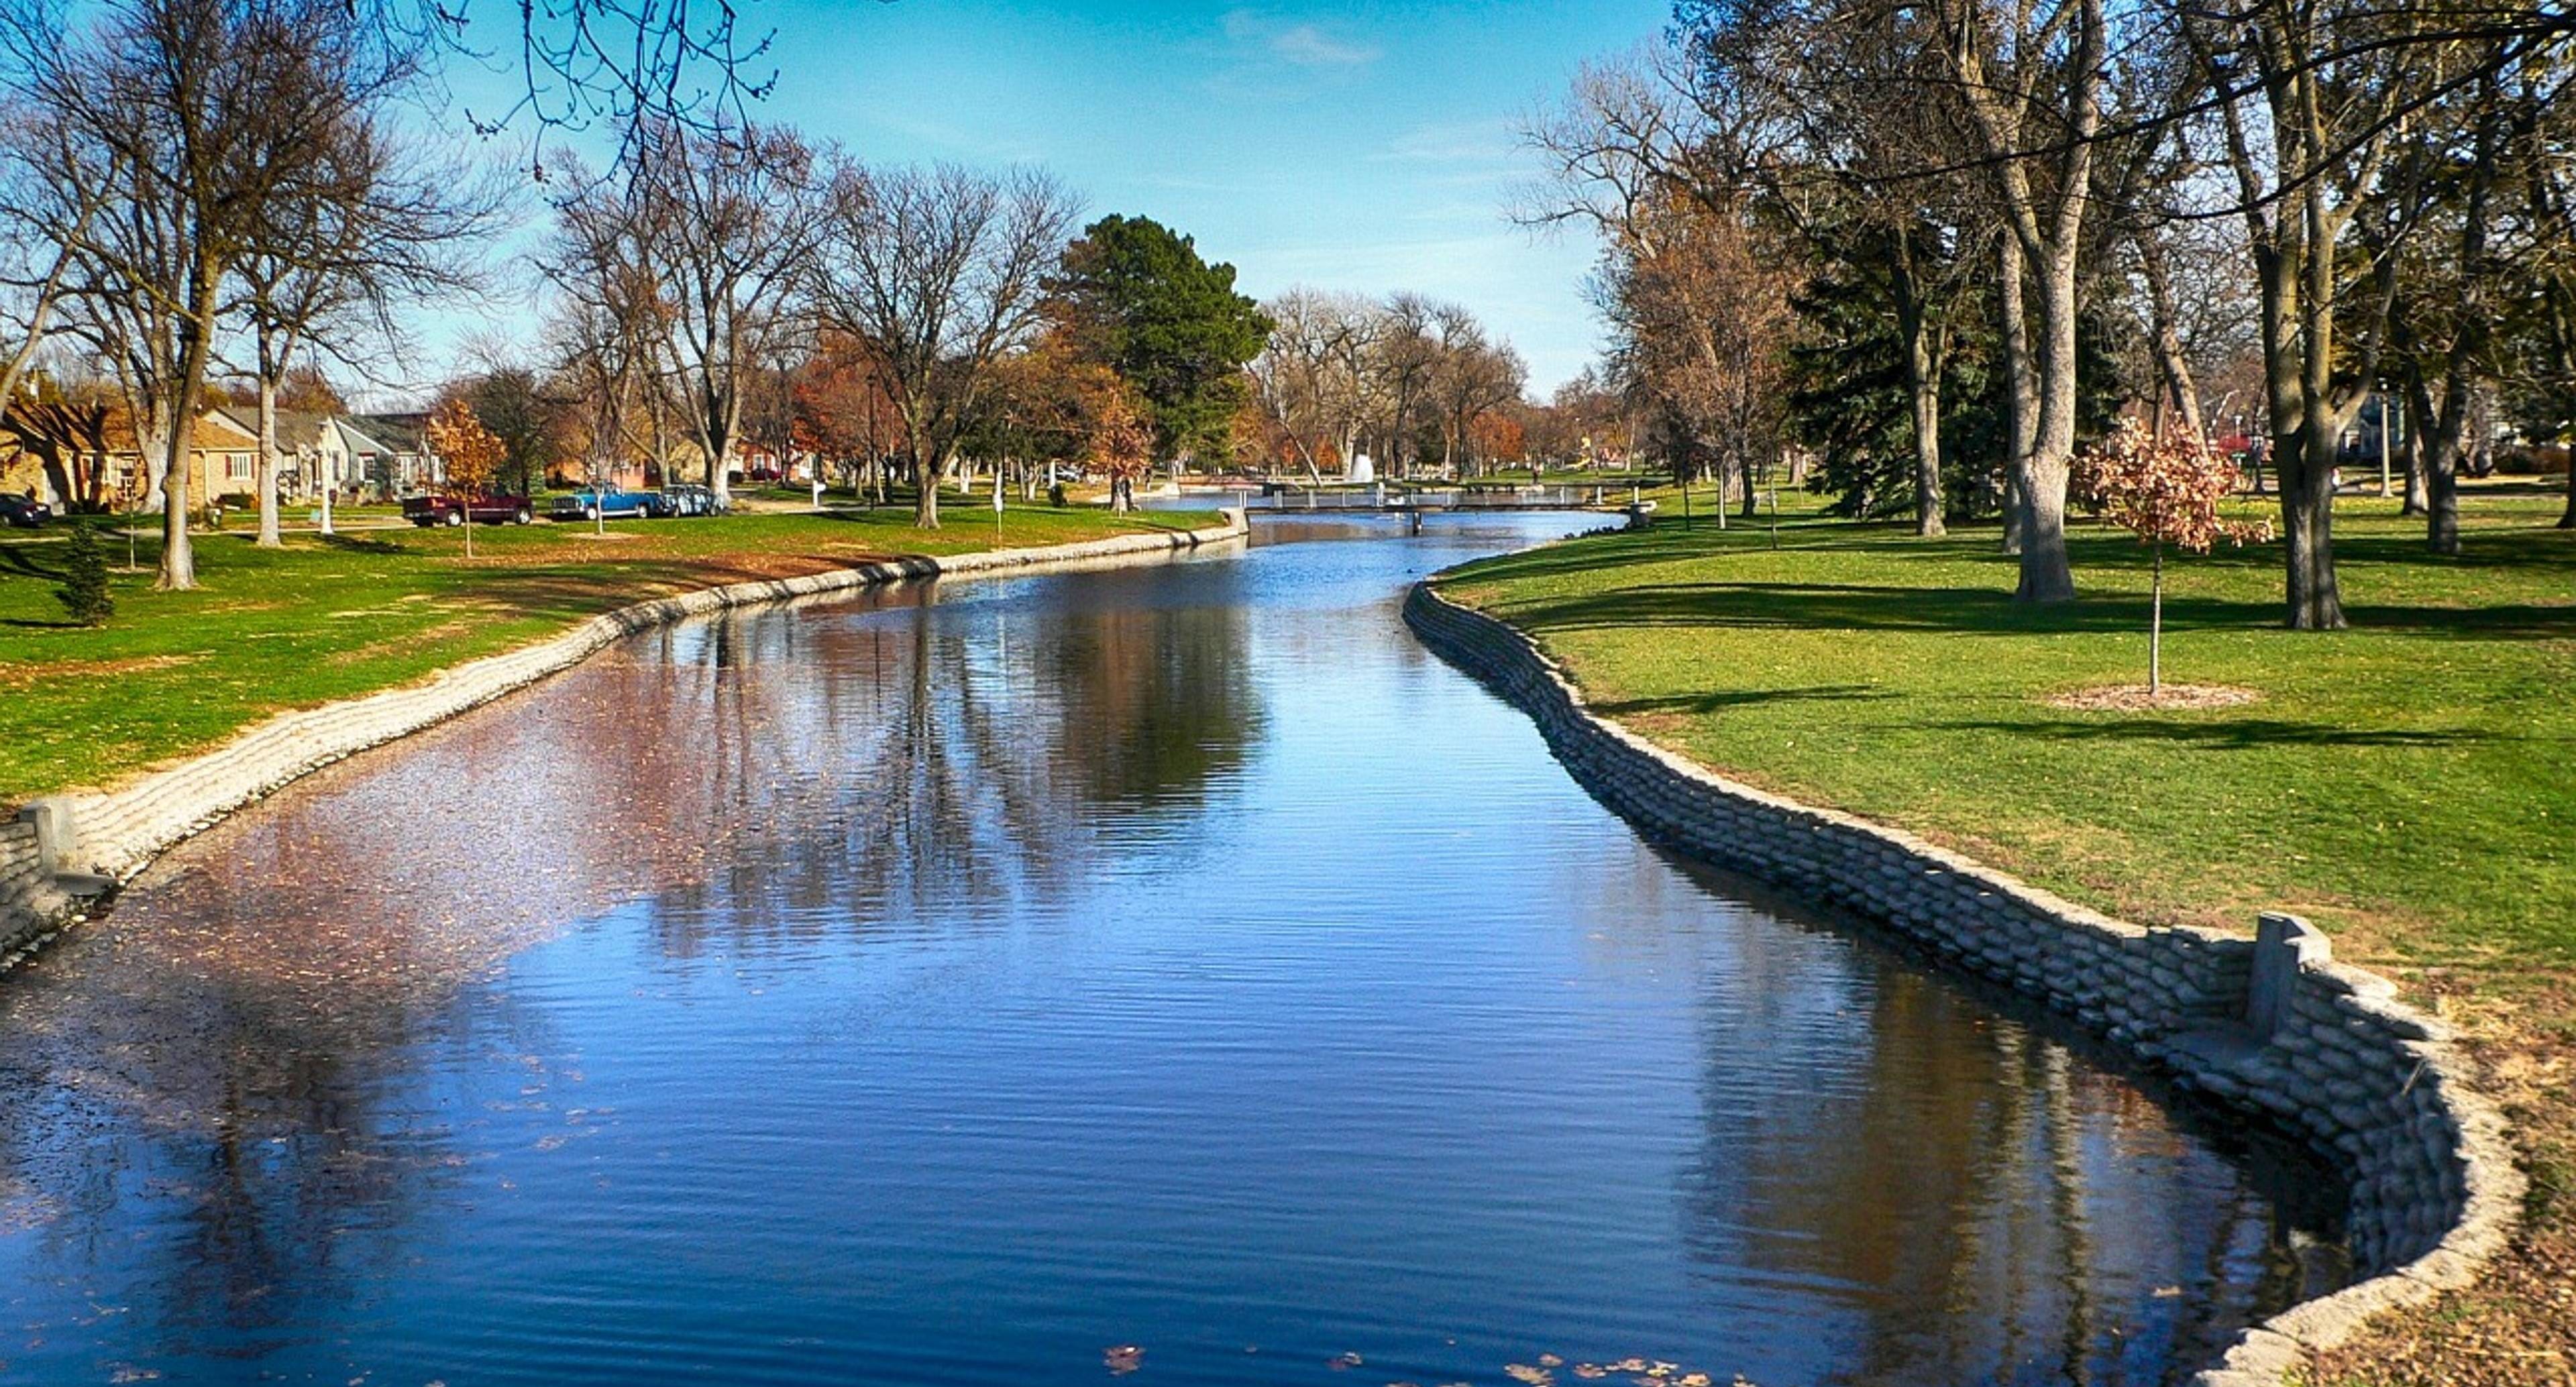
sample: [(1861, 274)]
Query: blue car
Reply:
[(594, 503)]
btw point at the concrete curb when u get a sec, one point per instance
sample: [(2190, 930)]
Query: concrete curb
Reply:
[(2271, 1027), (89, 841)]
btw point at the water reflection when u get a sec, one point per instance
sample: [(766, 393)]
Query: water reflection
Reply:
[(946, 985)]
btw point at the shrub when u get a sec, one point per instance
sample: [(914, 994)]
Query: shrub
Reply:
[(84, 591)]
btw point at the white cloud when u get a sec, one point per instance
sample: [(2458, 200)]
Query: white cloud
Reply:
[(1493, 141), (1303, 45)]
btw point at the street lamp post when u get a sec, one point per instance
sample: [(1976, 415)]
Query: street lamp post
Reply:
[(2383, 438)]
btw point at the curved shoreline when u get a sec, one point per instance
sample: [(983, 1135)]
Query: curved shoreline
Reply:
[(2271, 1027), (63, 847)]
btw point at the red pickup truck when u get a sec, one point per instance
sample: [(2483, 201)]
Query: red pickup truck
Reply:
[(426, 511)]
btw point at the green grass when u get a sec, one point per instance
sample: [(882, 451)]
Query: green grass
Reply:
[(2411, 781), (319, 620)]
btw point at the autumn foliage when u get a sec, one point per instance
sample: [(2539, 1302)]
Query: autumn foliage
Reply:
[(472, 453), (1122, 445), (2166, 491)]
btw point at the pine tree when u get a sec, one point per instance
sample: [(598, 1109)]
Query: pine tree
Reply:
[(84, 591)]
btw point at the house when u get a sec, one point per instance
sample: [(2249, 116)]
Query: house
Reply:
[(93, 454), (311, 450), (89, 450), (354, 456), (387, 453)]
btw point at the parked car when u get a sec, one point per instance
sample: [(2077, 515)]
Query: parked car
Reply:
[(681, 499), (426, 511), (591, 504), (757, 472), (24, 512)]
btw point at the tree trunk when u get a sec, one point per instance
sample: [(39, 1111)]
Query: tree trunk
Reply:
[(719, 441), (268, 535), (2045, 573), (2180, 391), (2416, 460), (925, 501), (2307, 467), (2156, 630), (178, 560), (2306, 471), (1923, 383), (2021, 394)]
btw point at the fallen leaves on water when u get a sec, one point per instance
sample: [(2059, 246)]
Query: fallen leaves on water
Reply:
[(1646, 1372)]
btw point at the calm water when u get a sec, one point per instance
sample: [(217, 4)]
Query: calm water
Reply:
[(946, 987)]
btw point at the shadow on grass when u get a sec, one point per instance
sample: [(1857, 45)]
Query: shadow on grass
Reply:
[(1742, 698), (1865, 607), (2231, 734), (21, 623), (15, 559), (355, 544), (1669, 544), (1980, 611)]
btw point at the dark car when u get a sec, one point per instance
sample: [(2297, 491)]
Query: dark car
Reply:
[(25, 512), (591, 504), (426, 511), (682, 499)]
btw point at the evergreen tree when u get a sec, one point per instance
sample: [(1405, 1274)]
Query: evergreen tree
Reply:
[(1850, 403), (1134, 296), (84, 591)]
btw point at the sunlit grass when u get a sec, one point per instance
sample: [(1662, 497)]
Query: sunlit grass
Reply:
[(324, 619), (2411, 782)]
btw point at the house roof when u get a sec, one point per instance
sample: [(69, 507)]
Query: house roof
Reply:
[(393, 432), (296, 428), (217, 434)]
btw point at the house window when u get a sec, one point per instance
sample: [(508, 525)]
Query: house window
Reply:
[(237, 466)]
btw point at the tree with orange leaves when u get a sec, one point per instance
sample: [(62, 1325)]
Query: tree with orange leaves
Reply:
[(1122, 446), (471, 452), (2166, 491)]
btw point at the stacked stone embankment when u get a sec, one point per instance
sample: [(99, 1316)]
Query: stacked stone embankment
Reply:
[(101, 838), (2270, 1026)]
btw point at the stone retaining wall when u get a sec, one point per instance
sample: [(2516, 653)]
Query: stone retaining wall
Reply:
[(117, 834), (2270, 1026)]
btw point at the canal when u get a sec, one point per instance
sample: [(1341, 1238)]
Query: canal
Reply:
[(954, 985)]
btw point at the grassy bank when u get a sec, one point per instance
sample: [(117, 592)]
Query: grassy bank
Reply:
[(2410, 784), (324, 619)]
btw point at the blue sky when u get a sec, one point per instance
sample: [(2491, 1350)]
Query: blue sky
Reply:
[(1349, 146)]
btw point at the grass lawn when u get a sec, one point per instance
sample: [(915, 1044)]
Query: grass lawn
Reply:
[(324, 619), (2409, 784)]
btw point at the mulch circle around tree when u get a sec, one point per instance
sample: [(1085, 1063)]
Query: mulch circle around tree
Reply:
[(2134, 698)]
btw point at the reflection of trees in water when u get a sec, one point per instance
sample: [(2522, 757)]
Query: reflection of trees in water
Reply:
[(233, 1059), (1976, 1196), (939, 765), (206, 1126)]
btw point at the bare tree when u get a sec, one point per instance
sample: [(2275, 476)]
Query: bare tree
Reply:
[(2031, 78), (1472, 378), (2308, 111), (1311, 380), (378, 224), (197, 120), (45, 218), (723, 221), (940, 272)]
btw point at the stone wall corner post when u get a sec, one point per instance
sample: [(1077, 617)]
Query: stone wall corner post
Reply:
[(2284, 946), (57, 837)]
